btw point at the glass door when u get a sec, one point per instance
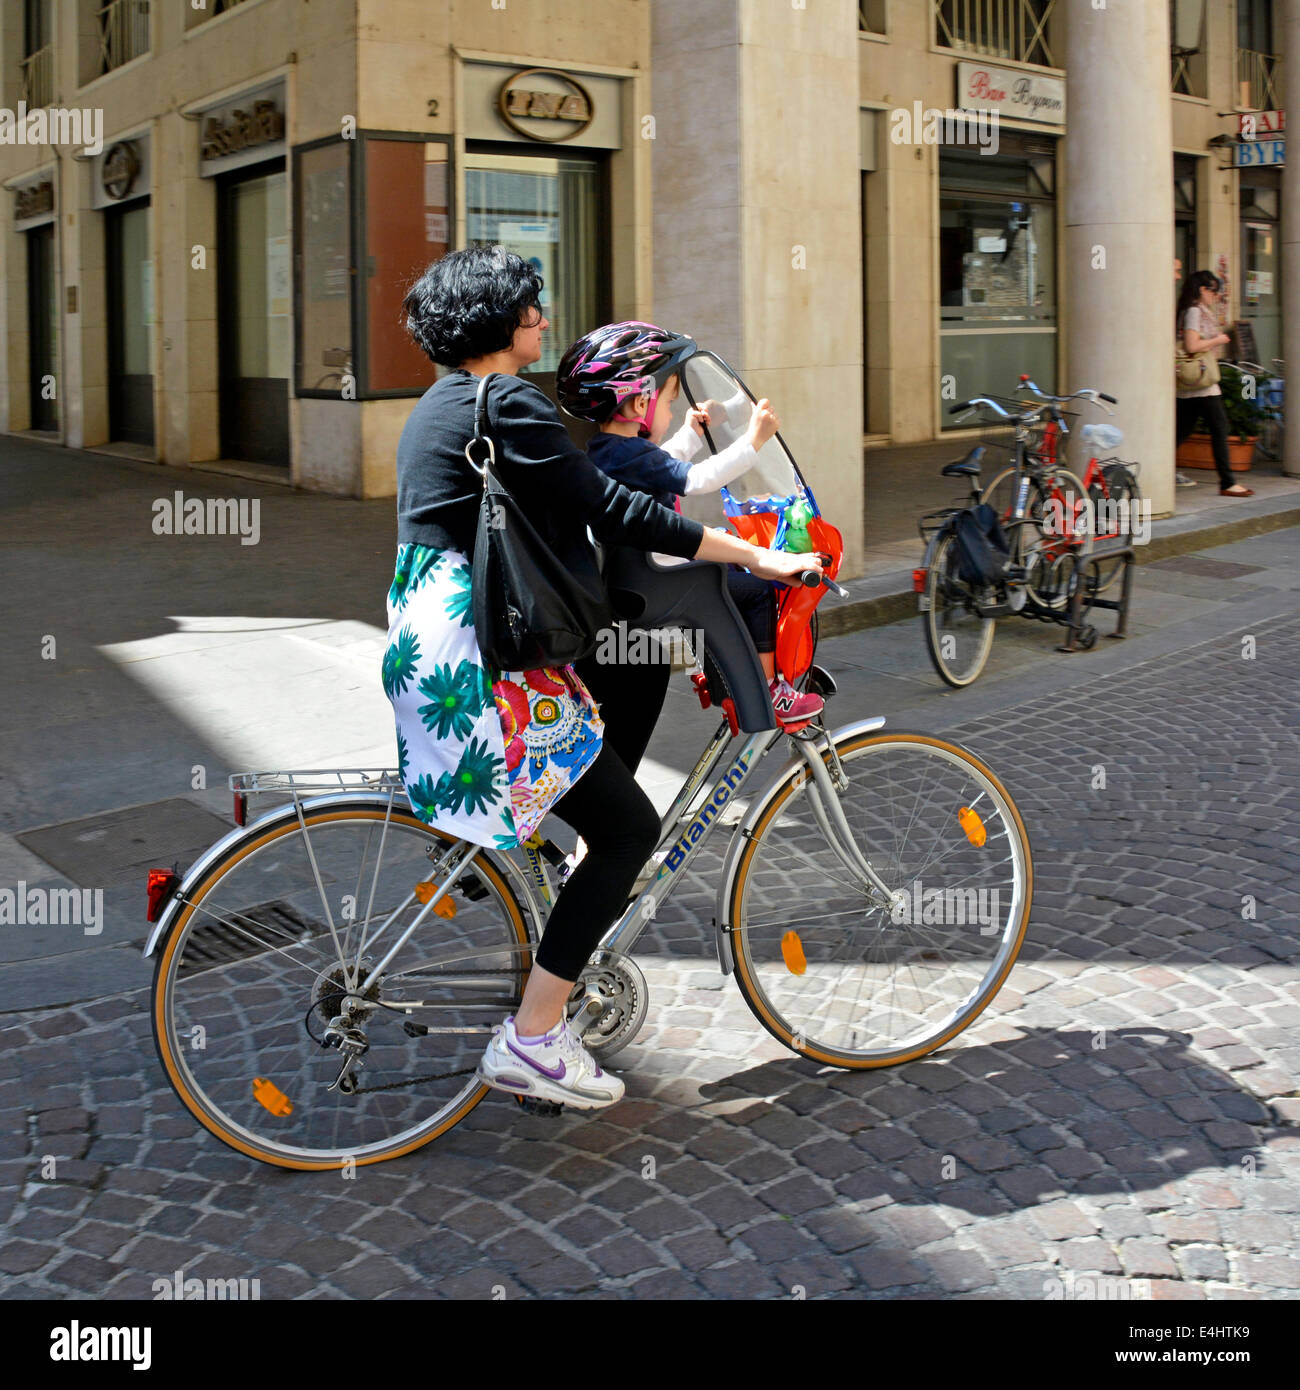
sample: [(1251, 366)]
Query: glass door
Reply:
[(255, 297), (130, 324), (550, 211), (1261, 265), (42, 328)]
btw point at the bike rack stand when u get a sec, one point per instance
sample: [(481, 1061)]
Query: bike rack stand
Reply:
[(1080, 634)]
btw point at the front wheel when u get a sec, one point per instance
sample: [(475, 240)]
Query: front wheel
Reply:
[(824, 966)]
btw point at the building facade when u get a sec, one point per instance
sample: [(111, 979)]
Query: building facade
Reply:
[(208, 268)]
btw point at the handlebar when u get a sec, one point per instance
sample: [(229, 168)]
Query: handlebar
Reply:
[(979, 400), (1087, 393), (810, 579)]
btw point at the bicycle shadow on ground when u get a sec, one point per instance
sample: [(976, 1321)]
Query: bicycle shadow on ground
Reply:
[(1000, 1126)]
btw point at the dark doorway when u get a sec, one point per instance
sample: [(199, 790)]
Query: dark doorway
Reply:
[(129, 267), (42, 328)]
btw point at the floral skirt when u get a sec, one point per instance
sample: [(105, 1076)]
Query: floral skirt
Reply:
[(483, 754)]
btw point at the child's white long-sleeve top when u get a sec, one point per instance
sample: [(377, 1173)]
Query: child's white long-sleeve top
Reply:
[(715, 471)]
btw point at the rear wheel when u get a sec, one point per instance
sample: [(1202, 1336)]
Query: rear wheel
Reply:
[(957, 636), (268, 1022)]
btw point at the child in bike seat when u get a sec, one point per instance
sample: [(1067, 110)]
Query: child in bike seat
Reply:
[(623, 377)]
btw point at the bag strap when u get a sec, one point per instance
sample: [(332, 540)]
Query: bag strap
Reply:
[(487, 450)]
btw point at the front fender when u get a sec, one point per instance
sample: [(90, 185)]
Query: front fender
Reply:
[(744, 832)]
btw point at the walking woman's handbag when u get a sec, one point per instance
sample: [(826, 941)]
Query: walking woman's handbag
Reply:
[(1195, 371), (529, 610)]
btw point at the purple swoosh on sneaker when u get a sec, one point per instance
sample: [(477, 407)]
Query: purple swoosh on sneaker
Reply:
[(555, 1073)]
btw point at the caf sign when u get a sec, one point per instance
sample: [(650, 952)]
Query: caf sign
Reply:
[(518, 101)]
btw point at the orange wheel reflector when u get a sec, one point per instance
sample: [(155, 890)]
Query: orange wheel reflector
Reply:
[(268, 1094), (445, 908), (792, 953), (972, 826)]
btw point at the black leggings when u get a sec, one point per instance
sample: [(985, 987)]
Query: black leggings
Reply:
[(1189, 410), (611, 813)]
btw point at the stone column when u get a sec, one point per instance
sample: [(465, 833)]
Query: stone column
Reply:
[(1119, 238), (1289, 23), (757, 223)]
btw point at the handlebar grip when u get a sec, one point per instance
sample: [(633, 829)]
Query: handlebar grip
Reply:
[(957, 409), (1105, 397)]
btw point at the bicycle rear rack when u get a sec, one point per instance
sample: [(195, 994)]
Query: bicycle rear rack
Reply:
[(296, 785)]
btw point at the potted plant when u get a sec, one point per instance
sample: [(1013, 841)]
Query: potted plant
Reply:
[(1244, 416)]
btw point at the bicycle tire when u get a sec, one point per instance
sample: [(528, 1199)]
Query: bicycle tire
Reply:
[(941, 582), (171, 1054), (748, 969)]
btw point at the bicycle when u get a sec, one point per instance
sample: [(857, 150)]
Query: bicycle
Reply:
[(1039, 569), (1110, 484), (327, 975)]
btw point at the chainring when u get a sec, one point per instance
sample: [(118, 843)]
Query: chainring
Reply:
[(618, 980)]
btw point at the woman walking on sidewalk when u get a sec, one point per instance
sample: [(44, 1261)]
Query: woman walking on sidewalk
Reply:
[(1199, 328)]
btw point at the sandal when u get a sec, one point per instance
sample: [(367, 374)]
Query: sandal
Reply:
[(1233, 492)]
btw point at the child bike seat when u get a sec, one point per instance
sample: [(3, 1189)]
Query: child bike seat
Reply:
[(694, 594)]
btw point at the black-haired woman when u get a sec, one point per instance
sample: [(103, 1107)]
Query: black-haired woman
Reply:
[(486, 754), (1199, 326)]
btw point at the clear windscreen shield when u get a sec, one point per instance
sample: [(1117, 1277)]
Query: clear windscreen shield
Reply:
[(770, 482)]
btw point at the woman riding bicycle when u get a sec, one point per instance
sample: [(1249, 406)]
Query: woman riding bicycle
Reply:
[(489, 769)]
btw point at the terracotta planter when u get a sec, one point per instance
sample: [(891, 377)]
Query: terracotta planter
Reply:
[(1196, 451)]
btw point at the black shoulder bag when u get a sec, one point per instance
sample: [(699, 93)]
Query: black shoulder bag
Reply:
[(529, 610)]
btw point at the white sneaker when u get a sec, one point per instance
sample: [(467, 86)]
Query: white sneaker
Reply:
[(556, 1067)]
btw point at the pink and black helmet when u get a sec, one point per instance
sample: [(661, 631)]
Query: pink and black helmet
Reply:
[(608, 365)]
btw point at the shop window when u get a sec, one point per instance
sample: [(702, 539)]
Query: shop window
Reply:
[(997, 273), (406, 228), (323, 227), (549, 211), (372, 214)]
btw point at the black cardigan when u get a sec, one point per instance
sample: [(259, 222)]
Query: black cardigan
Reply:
[(561, 491)]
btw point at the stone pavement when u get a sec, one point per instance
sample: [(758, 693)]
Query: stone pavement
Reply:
[(1125, 1111)]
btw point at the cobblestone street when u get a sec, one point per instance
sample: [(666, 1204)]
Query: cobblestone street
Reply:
[(1126, 1110)]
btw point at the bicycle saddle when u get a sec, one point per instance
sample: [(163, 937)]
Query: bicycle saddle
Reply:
[(693, 594), (968, 467)]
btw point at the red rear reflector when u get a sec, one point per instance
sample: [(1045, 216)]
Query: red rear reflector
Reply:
[(241, 808), (162, 883), (918, 581)]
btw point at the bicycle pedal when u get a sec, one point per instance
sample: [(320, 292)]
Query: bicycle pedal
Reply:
[(536, 1105)]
